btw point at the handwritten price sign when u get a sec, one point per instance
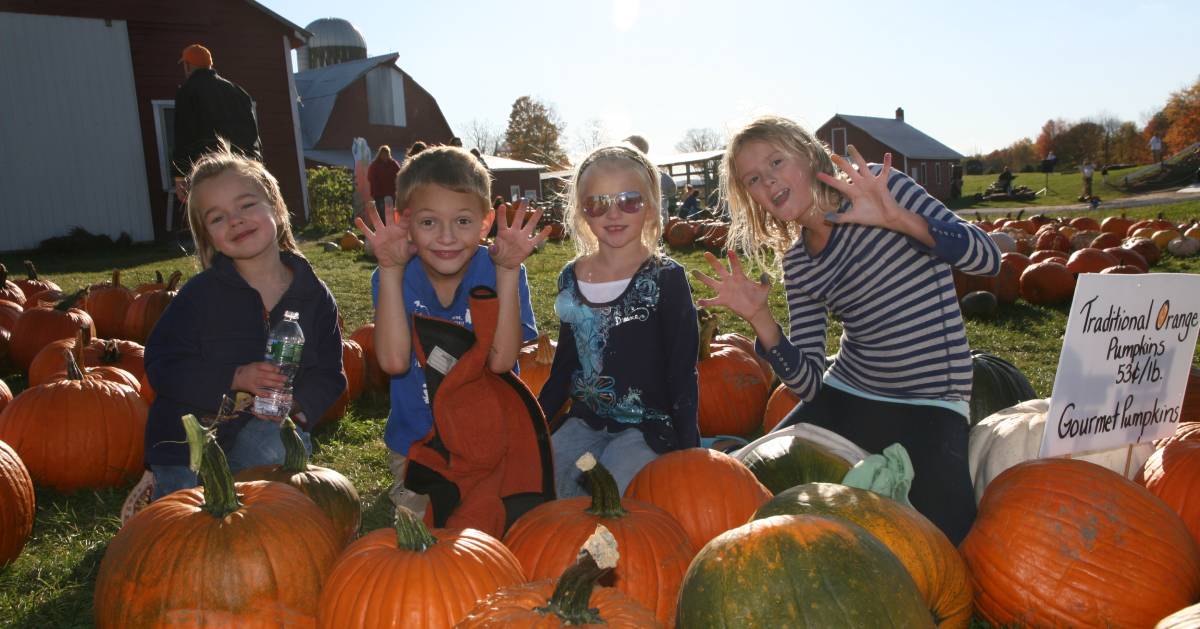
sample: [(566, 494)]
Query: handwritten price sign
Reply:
[(1124, 362)]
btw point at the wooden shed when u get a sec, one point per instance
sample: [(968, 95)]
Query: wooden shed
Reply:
[(514, 179), (93, 86), (925, 159)]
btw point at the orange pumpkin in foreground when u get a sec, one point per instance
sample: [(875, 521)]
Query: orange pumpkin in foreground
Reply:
[(1069, 543), (733, 391), (535, 360), (16, 504), (1173, 474)]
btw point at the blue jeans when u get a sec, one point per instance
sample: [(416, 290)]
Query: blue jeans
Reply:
[(257, 443), (622, 453)]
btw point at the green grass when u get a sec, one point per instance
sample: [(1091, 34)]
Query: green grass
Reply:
[(50, 584), (1063, 189)]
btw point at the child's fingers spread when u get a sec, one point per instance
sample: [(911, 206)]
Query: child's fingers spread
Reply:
[(362, 227), (710, 282), (735, 265), (715, 264), (541, 236)]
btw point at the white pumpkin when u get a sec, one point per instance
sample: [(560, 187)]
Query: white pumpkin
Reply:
[(1014, 435), (828, 439), (1183, 247), (1003, 241)]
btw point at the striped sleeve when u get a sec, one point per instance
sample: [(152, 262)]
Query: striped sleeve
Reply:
[(799, 358), (956, 242)]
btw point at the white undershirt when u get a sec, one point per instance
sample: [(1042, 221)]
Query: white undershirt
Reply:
[(603, 292)]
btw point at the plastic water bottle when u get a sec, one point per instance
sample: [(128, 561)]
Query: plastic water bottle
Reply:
[(283, 350)]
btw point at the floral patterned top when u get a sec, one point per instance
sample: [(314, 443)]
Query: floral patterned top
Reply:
[(630, 362)]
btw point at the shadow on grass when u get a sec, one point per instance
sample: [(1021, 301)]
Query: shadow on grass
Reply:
[(89, 260)]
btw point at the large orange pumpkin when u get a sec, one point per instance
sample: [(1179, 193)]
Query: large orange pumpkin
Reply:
[(33, 283), (1129, 256), (1047, 283), (706, 491), (746, 344), (331, 491), (1144, 247), (1052, 240), (1173, 474), (81, 432), (147, 307), (1118, 225), (16, 504), (733, 392), (43, 324), (221, 555), (781, 402), (125, 355), (535, 360), (546, 538), (1085, 223), (377, 378), (1106, 240), (8, 289), (1053, 536), (573, 600), (10, 311), (1090, 261), (410, 576), (931, 560), (107, 303), (354, 365)]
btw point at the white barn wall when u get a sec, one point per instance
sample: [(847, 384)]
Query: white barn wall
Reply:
[(70, 141)]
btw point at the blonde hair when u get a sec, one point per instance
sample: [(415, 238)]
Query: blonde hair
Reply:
[(450, 167), (212, 165), (576, 223), (753, 228)]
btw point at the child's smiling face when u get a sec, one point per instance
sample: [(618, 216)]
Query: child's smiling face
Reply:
[(237, 215), (615, 228), (778, 181), (447, 227)]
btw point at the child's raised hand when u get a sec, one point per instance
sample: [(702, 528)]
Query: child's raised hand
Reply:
[(256, 378), (516, 242), (745, 297), (871, 202), (389, 241)]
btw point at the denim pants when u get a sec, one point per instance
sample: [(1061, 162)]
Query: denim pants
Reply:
[(622, 453), (257, 443)]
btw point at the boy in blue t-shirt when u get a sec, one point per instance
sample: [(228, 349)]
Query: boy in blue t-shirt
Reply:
[(429, 258)]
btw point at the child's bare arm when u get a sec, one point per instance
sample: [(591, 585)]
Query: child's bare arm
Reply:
[(514, 243), (393, 249)]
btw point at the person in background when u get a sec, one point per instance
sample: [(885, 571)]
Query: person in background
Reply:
[(1006, 177), (1087, 169), (1156, 148), (416, 147), (381, 177), (691, 203), (665, 182)]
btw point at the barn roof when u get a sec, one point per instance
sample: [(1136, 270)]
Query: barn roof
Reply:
[(499, 164), (901, 137), (298, 35), (318, 90)]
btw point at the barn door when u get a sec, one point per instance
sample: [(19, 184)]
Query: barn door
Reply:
[(838, 141)]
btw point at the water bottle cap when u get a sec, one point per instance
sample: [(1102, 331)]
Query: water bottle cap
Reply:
[(291, 315)]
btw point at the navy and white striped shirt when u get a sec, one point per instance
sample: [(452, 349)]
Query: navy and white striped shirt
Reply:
[(903, 333)]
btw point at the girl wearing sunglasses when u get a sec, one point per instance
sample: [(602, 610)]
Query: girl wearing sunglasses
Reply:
[(627, 343), (866, 244)]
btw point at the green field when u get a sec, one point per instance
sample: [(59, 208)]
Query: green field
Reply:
[(1062, 189), (50, 585)]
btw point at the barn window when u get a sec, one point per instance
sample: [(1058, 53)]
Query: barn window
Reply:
[(937, 172), (385, 97), (924, 174)]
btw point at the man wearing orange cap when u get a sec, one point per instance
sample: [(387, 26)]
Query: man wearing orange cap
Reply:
[(208, 106)]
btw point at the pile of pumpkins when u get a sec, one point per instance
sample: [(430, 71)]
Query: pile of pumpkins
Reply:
[(710, 234), (1041, 257)]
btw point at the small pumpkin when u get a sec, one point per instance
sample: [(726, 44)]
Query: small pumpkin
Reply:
[(107, 304), (706, 491), (246, 555), (574, 600), (348, 241), (931, 560), (799, 571), (82, 432), (1053, 240), (1005, 242), (1130, 257), (33, 283), (354, 366), (409, 576), (1146, 247), (1052, 534), (1183, 247), (1085, 223), (1163, 237), (546, 538), (535, 359), (1018, 261), (1173, 474), (1045, 255), (16, 503), (43, 324), (377, 378), (1007, 283), (148, 287), (122, 354), (9, 291), (1117, 225), (733, 391), (781, 402), (1106, 240), (1121, 269), (1047, 283), (746, 344), (996, 384), (331, 491), (147, 307), (1090, 261), (980, 304)]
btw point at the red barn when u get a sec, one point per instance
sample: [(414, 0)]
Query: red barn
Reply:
[(93, 84), (925, 159)]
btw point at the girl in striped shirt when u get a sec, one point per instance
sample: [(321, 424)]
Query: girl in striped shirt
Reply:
[(873, 249)]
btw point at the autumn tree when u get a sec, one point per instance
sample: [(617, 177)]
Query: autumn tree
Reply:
[(1128, 145), (533, 134), (698, 140), (1183, 114), (1048, 138)]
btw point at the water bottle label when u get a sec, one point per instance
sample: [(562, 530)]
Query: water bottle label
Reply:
[(281, 352)]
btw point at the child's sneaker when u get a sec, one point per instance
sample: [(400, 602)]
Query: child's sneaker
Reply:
[(138, 497)]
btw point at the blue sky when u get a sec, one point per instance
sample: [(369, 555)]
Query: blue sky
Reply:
[(975, 76)]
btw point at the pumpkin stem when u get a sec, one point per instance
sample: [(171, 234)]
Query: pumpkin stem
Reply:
[(111, 354), (3, 274), (73, 371), (158, 278), (30, 270), (173, 283), (69, 301), (606, 500), (708, 330), (116, 279), (411, 533), (208, 461), (544, 354), (295, 457), (596, 558), (81, 339)]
